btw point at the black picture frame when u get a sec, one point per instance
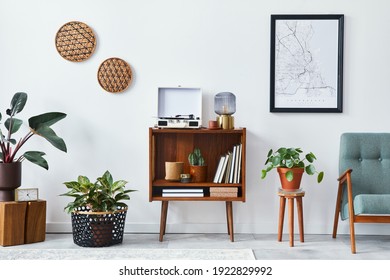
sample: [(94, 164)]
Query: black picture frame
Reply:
[(307, 63)]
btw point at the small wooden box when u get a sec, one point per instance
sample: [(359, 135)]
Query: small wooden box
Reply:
[(22, 222)]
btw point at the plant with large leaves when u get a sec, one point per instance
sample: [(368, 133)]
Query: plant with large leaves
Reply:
[(39, 125), (104, 195)]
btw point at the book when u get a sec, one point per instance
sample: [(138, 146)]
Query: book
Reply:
[(219, 168), (223, 170), (182, 190), (231, 175), (223, 194), (223, 189), (183, 194), (236, 164), (239, 165), (228, 168)]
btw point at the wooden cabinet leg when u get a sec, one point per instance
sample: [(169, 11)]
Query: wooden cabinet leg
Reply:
[(291, 220), (229, 210), (300, 218), (163, 219), (281, 217), (227, 218)]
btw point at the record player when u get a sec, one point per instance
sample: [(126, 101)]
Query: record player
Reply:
[(179, 107)]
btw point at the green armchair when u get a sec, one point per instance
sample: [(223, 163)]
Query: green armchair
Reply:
[(363, 195)]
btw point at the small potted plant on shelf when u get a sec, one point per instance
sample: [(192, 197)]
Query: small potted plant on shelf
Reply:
[(198, 167), (98, 212), (10, 162), (291, 166)]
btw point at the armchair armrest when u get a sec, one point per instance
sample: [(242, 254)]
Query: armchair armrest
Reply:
[(344, 176)]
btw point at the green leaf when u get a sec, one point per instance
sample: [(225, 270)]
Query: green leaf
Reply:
[(0, 116), (49, 134), (119, 184), (37, 158), (17, 103), (16, 124), (282, 150), (263, 174), (289, 176), (276, 160), (269, 153), (46, 119), (83, 180), (310, 169), (289, 163), (72, 185), (320, 177), (310, 157)]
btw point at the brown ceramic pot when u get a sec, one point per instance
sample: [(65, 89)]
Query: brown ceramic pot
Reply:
[(10, 179)]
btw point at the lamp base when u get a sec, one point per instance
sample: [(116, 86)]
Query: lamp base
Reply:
[(225, 121)]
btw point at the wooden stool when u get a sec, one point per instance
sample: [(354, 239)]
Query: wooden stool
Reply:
[(290, 196)]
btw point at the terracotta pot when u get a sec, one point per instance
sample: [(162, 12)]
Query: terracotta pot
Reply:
[(198, 173), (296, 181), (10, 179)]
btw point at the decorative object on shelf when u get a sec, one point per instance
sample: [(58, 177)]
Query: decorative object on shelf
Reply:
[(173, 170), (291, 166), (75, 41), (179, 107), (198, 167), (225, 107), (98, 213), (10, 164), (213, 124), (307, 63), (28, 194), (229, 167), (114, 75), (185, 178)]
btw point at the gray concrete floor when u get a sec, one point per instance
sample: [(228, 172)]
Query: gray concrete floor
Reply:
[(264, 246)]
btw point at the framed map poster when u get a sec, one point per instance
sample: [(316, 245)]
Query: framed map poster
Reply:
[(306, 63)]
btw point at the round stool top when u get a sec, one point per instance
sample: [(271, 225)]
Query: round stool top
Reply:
[(295, 193)]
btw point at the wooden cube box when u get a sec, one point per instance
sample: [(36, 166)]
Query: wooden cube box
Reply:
[(22, 222)]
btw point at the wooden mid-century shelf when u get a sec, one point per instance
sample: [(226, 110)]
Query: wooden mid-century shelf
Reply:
[(175, 145)]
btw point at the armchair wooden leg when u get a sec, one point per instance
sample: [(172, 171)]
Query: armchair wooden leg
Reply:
[(352, 233), (337, 211)]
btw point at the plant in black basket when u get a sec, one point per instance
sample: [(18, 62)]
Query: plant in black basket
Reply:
[(98, 211)]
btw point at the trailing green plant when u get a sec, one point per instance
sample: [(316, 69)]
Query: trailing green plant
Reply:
[(39, 125), (291, 158), (196, 158), (103, 195)]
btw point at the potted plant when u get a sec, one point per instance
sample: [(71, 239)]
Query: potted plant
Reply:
[(198, 167), (97, 211), (291, 165), (10, 162)]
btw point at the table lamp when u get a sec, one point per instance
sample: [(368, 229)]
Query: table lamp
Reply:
[(225, 107)]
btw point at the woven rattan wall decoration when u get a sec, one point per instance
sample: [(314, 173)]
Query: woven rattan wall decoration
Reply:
[(75, 41), (114, 75)]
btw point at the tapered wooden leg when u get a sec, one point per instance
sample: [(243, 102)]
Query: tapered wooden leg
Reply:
[(227, 218), (281, 217), (229, 208), (337, 211), (163, 219), (291, 220), (300, 218)]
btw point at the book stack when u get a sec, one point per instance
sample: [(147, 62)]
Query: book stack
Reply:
[(229, 167), (182, 192), (223, 192)]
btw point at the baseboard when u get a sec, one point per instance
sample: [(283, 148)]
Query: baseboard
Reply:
[(364, 229)]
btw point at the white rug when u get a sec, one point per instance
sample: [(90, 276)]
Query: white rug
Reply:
[(126, 254)]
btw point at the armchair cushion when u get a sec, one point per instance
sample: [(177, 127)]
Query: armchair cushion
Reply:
[(370, 204)]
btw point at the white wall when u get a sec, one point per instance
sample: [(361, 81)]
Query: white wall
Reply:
[(218, 45)]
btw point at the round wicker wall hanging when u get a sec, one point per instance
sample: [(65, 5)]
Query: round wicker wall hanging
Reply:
[(114, 75), (75, 41)]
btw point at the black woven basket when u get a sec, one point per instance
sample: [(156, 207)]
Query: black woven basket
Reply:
[(98, 229)]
